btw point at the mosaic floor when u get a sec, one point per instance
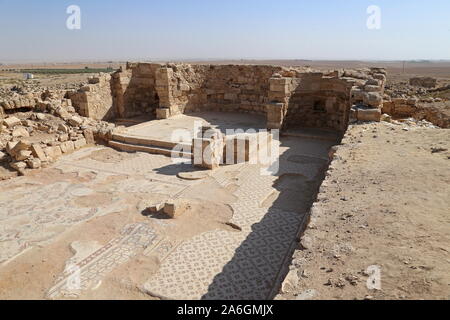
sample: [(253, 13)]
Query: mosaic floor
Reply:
[(34, 210), (241, 263)]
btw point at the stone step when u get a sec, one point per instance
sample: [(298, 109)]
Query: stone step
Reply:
[(145, 141), (127, 147)]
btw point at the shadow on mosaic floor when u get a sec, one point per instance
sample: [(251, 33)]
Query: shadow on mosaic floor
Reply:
[(257, 268)]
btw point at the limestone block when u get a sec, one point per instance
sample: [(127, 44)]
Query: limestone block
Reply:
[(358, 94), (373, 82), (175, 208), (373, 99), (13, 147), (11, 122), (230, 96), (20, 132), (37, 152), (89, 136), (279, 88), (163, 113), (63, 137), (53, 152), (369, 115), (388, 107), (275, 115), (22, 155), (79, 143), (372, 88), (34, 163), (76, 121), (380, 76), (386, 118), (18, 165), (185, 87), (207, 152), (67, 147), (279, 81)]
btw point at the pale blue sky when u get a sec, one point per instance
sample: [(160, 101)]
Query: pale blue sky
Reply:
[(227, 29)]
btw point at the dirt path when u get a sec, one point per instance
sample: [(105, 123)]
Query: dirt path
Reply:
[(384, 203)]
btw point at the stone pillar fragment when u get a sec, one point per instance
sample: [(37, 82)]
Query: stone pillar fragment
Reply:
[(208, 149)]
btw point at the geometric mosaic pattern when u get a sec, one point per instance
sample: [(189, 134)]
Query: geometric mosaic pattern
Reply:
[(30, 209), (244, 265), (218, 264), (227, 265), (89, 272)]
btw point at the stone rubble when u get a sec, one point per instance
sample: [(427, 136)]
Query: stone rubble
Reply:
[(36, 128)]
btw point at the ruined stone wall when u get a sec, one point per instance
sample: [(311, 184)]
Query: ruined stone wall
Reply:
[(18, 101), (400, 108), (318, 101), (434, 112), (134, 90), (425, 82), (184, 88), (227, 88), (94, 100), (287, 96)]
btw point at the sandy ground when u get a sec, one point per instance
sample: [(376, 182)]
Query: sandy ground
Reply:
[(385, 202)]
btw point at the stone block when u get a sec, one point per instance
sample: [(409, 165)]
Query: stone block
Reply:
[(20, 132), (20, 165), (11, 122), (80, 143), (369, 115), (53, 152), (34, 163), (230, 96), (89, 136), (76, 121), (37, 152), (372, 88), (22, 155), (175, 208), (63, 137), (373, 99), (163, 113), (67, 147), (279, 88)]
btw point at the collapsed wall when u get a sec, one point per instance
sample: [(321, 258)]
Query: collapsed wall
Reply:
[(419, 109)]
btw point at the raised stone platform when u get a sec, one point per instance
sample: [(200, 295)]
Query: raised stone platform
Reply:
[(162, 136)]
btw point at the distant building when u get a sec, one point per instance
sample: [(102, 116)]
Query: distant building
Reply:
[(28, 76)]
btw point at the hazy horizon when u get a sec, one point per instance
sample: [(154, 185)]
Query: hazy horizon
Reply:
[(196, 30)]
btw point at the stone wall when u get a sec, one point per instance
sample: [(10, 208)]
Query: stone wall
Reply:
[(287, 96), (184, 88), (94, 100), (134, 90), (228, 88), (319, 101)]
